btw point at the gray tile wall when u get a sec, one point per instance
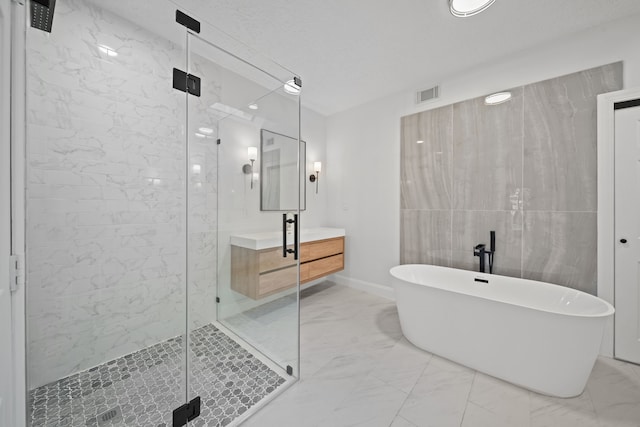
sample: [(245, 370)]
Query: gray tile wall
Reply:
[(525, 168)]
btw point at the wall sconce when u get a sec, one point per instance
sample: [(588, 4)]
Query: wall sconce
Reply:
[(252, 153), (317, 167)]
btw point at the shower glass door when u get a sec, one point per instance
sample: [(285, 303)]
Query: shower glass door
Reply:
[(136, 192), (106, 222), (244, 347)]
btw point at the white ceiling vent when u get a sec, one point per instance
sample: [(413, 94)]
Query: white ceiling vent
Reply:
[(427, 94)]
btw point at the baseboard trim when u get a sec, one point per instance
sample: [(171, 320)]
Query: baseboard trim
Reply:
[(372, 288)]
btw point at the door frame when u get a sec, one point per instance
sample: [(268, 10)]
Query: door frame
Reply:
[(606, 204), (17, 200), (7, 407)]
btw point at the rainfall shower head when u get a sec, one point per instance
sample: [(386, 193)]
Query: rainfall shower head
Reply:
[(42, 14)]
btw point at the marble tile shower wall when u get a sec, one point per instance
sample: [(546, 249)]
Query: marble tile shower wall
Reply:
[(106, 200), (525, 168)]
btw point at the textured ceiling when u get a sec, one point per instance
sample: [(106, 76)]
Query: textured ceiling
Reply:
[(349, 52)]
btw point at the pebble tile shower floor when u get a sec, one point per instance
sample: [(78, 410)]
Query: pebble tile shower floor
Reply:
[(144, 387)]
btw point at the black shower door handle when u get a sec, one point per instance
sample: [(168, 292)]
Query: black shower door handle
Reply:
[(293, 221)]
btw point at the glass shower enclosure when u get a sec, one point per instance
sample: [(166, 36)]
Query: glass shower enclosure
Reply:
[(143, 169)]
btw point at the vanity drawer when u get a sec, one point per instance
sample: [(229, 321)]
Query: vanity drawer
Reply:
[(276, 281), (320, 249), (272, 259), (322, 267)]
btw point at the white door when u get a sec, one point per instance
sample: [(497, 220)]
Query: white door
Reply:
[(627, 233), (6, 365)]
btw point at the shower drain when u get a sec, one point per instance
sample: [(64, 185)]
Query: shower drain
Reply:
[(108, 418)]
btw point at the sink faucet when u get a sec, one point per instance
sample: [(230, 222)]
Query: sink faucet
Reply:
[(480, 251)]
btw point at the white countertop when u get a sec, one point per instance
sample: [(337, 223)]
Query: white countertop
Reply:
[(273, 239)]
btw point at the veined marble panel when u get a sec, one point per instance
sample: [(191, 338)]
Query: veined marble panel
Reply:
[(560, 248), (471, 228), (425, 237), (560, 140), (487, 153), (425, 181), (525, 168)]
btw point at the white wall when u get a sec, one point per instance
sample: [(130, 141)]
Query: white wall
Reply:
[(363, 154)]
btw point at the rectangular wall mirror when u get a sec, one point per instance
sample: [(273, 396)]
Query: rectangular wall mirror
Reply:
[(279, 172)]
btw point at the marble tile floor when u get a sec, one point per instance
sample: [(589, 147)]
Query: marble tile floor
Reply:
[(271, 328), (143, 388), (358, 370)]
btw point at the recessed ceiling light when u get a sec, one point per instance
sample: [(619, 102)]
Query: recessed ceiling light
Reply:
[(106, 49), (419, 141), (464, 8), (253, 106), (292, 87), (206, 131), (200, 135), (497, 98)]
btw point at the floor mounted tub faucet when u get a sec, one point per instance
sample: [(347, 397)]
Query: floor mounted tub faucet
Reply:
[(481, 251)]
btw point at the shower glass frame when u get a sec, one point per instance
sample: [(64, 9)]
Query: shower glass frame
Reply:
[(92, 134), (53, 101), (230, 82)]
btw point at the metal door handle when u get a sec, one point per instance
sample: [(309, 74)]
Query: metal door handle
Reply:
[(295, 236), (623, 240), (293, 221), (284, 235)]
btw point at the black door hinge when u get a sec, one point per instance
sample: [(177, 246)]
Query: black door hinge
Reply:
[(626, 104), (184, 19), (289, 370), (219, 141), (217, 299), (186, 82), (187, 412)]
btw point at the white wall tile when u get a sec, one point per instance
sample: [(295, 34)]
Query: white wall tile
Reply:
[(106, 203)]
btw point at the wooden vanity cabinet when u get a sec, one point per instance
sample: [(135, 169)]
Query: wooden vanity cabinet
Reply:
[(260, 273)]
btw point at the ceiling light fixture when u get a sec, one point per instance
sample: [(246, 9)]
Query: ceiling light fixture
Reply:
[(419, 141), (253, 106), (497, 98), (464, 8), (293, 86), (206, 131)]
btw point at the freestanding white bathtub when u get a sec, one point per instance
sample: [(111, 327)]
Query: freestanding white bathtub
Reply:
[(539, 336)]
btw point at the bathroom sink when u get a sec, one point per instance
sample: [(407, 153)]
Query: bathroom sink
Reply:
[(272, 239)]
